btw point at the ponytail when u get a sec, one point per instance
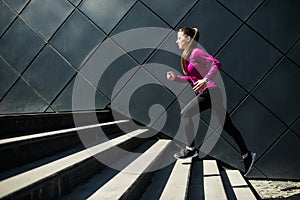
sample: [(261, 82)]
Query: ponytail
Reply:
[(194, 34)]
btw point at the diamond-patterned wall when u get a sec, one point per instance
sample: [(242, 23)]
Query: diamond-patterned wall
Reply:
[(44, 45)]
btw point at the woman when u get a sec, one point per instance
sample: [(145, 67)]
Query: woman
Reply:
[(193, 63)]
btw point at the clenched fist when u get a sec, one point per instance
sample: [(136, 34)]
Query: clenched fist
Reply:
[(171, 75)]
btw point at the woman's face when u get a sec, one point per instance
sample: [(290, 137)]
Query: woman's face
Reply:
[(182, 40)]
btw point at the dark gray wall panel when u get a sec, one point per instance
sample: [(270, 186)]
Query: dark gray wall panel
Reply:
[(162, 62), (286, 151), (255, 172), (259, 127), (65, 100), (147, 92), (204, 130), (285, 31), (234, 93), (50, 110), (296, 127), (75, 2), (280, 91), (22, 99), (214, 28), (75, 42), (106, 13), (18, 5), (108, 81), (46, 16), (103, 60), (19, 45), (134, 20), (295, 52), (165, 9), (247, 61), (242, 8), (225, 152), (49, 73), (7, 77), (169, 122), (166, 58), (6, 16)]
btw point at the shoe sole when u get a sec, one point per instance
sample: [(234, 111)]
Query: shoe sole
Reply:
[(195, 155), (252, 162)]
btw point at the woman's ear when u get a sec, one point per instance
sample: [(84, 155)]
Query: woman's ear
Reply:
[(188, 38)]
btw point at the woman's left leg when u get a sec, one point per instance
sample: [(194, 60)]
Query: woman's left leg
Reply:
[(196, 105)]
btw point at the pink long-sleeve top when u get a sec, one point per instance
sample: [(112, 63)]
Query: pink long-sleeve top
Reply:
[(200, 65)]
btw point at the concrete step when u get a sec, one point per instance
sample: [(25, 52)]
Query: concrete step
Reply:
[(240, 187), (213, 185), (90, 186), (21, 150), (51, 180), (127, 183), (177, 185), (197, 179)]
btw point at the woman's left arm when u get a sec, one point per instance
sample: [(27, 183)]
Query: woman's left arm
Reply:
[(200, 56), (214, 64)]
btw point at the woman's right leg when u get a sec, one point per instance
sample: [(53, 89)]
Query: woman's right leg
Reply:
[(219, 110), (232, 130)]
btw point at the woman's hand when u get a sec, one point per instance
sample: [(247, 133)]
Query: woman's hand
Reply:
[(199, 85), (171, 75)]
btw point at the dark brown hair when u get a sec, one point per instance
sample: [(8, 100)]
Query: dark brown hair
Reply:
[(194, 34)]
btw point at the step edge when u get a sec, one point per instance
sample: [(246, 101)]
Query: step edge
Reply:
[(105, 192), (239, 186), (57, 132)]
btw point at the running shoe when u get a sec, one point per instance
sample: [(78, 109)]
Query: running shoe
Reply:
[(185, 153)]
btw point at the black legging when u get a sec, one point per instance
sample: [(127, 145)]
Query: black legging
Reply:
[(203, 100)]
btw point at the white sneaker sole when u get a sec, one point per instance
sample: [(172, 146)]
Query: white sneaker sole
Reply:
[(253, 155), (195, 155)]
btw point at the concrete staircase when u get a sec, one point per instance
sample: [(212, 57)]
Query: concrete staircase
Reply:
[(56, 165)]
